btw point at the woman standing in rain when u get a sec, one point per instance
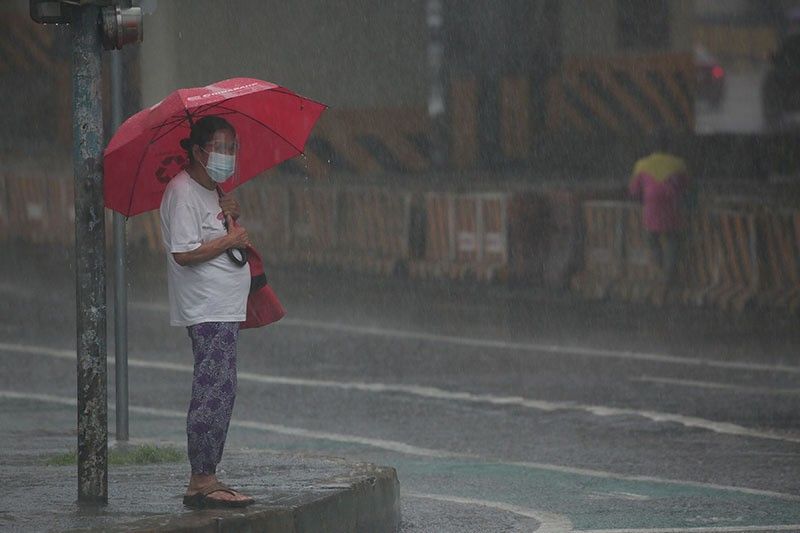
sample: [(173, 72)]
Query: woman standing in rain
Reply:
[(207, 295)]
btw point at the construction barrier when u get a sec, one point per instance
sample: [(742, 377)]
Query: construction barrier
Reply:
[(373, 229), (622, 95), (38, 208), (265, 214), (735, 246), (603, 246), (369, 141), (28, 215), (779, 231), (483, 236), (699, 269), (465, 237), (730, 259), (357, 228), (640, 281), (312, 213)]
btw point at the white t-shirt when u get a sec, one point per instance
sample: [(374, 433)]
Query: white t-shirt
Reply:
[(214, 291)]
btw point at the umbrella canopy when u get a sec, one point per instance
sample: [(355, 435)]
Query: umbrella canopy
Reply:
[(272, 125), (660, 166)]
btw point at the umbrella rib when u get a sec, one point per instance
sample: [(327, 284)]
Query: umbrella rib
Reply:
[(178, 119), (287, 92), (136, 179), (152, 141), (174, 125), (287, 141)]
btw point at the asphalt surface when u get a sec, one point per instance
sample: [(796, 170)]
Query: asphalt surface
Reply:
[(503, 409)]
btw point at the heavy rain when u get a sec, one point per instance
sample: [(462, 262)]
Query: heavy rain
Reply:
[(463, 265)]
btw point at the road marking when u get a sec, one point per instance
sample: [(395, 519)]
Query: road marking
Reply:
[(617, 495), (549, 522), (536, 347), (724, 428), (410, 449), (714, 385), (709, 529), (517, 346)]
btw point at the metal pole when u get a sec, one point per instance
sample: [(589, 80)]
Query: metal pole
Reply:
[(120, 279), (437, 100), (90, 257)]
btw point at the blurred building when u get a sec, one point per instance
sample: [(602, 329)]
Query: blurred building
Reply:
[(525, 81)]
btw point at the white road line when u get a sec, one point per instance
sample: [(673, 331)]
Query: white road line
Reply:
[(549, 522), (518, 346), (714, 385), (724, 428), (619, 495), (709, 529), (410, 449), (535, 347)]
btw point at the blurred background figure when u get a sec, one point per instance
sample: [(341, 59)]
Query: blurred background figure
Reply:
[(661, 182)]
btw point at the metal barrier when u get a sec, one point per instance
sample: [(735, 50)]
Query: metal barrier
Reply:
[(603, 244), (731, 259), (358, 228), (699, 270), (466, 237), (373, 229), (640, 279), (780, 275), (37, 209), (265, 214), (28, 213), (736, 247), (312, 224)]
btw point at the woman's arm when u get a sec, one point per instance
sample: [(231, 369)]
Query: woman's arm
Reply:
[(236, 238)]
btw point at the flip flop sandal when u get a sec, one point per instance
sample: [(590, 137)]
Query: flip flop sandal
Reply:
[(201, 500)]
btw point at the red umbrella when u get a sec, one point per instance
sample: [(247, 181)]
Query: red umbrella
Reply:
[(272, 125)]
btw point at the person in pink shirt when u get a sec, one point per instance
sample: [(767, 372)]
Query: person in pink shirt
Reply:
[(661, 182)]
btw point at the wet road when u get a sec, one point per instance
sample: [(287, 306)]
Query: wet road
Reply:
[(502, 409)]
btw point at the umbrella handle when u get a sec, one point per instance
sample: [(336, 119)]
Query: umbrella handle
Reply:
[(241, 260)]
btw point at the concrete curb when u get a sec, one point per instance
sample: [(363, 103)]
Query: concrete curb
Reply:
[(366, 500)]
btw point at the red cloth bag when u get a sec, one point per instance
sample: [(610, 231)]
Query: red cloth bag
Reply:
[(263, 306)]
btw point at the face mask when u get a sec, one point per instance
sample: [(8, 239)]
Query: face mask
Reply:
[(220, 166)]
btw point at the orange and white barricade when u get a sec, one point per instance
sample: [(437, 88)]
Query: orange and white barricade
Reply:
[(373, 229), (779, 232), (603, 242)]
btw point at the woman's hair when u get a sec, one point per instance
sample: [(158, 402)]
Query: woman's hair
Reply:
[(203, 131)]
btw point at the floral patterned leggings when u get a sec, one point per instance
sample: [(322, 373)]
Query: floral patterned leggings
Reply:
[(213, 392)]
